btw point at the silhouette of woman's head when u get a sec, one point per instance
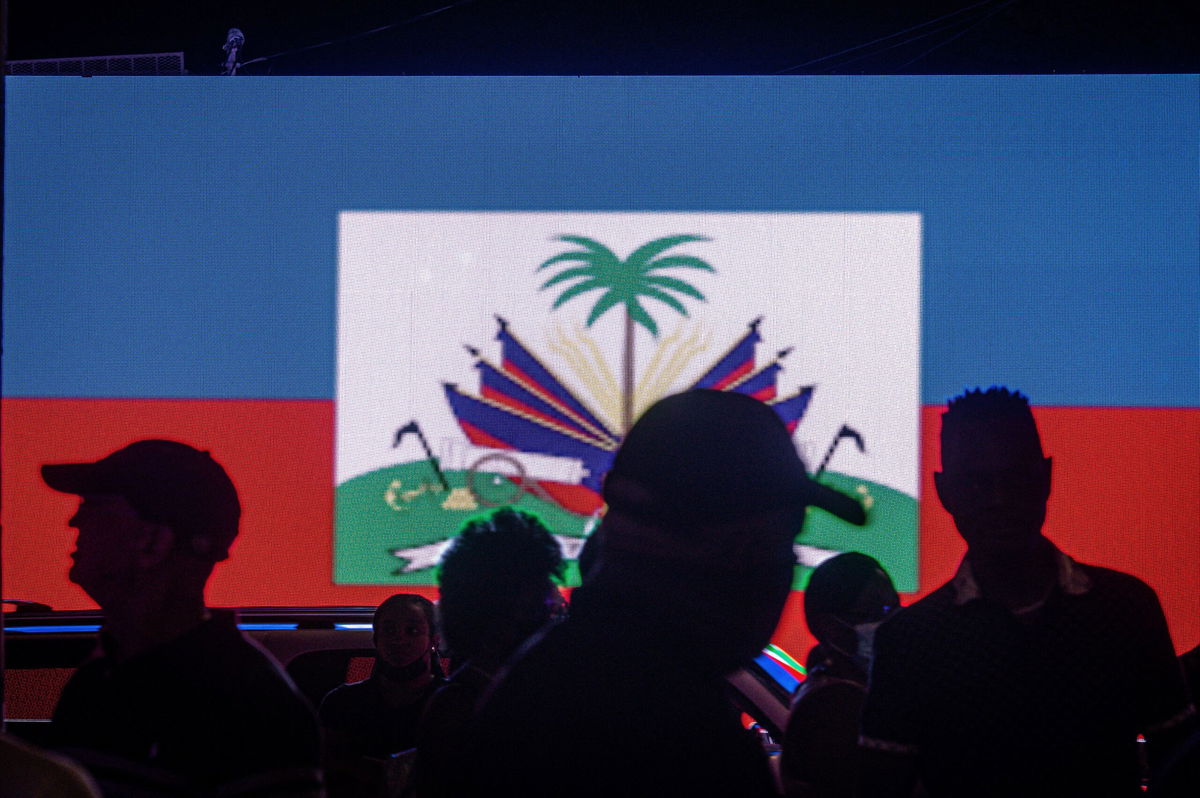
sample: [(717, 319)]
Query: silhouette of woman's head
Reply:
[(497, 582)]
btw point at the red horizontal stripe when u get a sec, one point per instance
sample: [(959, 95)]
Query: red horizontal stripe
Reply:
[(1126, 495), (278, 453)]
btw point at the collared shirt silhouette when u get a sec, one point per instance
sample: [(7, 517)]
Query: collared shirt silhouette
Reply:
[(1028, 673)]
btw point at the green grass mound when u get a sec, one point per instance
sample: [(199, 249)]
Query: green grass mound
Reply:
[(405, 507)]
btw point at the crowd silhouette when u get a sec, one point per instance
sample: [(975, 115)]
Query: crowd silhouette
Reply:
[(1027, 674)]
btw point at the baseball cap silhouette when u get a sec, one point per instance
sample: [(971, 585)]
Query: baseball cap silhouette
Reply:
[(166, 482), (715, 454)]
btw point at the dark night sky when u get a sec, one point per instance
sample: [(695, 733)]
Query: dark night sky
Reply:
[(624, 37)]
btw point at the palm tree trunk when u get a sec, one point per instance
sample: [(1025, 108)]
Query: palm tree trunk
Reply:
[(627, 377)]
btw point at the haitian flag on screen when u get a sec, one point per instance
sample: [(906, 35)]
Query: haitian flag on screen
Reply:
[(224, 290), (498, 358)]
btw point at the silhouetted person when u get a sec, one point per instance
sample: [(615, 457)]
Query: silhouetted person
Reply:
[(176, 700), (497, 582), (1028, 673), (378, 717), (692, 567), (847, 598)]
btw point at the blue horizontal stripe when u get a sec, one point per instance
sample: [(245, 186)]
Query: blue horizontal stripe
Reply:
[(177, 239)]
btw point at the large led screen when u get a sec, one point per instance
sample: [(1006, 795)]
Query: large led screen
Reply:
[(389, 304)]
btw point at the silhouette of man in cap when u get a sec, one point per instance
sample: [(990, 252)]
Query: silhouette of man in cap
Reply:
[(689, 572), (176, 699)]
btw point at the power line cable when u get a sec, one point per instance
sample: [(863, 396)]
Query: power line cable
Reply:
[(946, 41), (902, 43), (924, 35), (356, 36), (855, 48)]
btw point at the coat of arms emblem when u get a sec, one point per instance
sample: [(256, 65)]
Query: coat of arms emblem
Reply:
[(537, 425)]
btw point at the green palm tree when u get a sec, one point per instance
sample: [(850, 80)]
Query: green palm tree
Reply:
[(626, 282)]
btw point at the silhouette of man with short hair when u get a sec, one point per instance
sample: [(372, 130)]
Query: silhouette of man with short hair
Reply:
[(1028, 673), (688, 576), (176, 699)]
